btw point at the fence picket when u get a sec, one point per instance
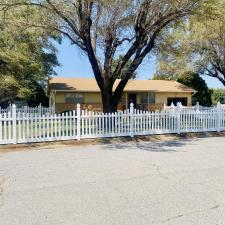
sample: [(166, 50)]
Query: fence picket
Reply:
[(28, 126), (1, 120)]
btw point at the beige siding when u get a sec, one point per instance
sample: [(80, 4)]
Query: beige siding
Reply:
[(94, 101), (60, 97), (92, 98), (161, 98)]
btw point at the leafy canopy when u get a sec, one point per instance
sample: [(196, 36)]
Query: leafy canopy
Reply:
[(105, 29), (27, 57), (196, 44), (218, 95)]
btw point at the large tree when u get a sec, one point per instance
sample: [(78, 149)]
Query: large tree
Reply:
[(197, 44), (103, 29), (123, 71), (27, 59)]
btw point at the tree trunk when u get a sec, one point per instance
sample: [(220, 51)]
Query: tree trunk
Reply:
[(108, 102), (110, 99)]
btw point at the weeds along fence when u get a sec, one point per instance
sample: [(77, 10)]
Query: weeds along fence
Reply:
[(40, 110), (19, 127)]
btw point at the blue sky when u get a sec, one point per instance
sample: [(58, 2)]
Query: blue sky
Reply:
[(75, 64)]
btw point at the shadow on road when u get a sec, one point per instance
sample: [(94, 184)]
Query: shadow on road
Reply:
[(152, 146)]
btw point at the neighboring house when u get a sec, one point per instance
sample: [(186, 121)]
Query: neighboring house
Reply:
[(65, 93)]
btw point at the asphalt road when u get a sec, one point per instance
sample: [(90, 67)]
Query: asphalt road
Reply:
[(147, 183)]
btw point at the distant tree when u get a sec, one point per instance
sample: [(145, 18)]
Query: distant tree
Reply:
[(218, 95), (102, 29), (39, 96), (193, 80), (158, 76)]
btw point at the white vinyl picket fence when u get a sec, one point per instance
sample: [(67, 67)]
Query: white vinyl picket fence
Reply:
[(26, 128), (40, 110)]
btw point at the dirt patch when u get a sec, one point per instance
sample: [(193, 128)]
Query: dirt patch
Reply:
[(85, 142)]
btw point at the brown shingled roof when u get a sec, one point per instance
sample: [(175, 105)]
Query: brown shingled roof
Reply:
[(90, 85)]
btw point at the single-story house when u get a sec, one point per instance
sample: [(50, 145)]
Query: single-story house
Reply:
[(65, 93)]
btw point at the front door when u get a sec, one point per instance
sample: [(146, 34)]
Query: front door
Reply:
[(132, 98)]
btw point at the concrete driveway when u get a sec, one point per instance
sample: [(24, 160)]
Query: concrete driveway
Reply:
[(145, 183)]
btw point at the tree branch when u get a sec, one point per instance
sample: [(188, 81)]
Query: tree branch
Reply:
[(66, 19), (86, 23)]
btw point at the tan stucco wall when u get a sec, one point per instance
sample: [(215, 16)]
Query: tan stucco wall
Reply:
[(161, 98), (60, 97), (94, 99)]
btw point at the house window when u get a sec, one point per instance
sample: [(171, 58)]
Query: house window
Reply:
[(151, 98), (144, 98), (148, 98), (74, 98)]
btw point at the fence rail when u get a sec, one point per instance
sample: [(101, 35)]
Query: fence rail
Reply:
[(196, 107), (40, 110), (17, 127)]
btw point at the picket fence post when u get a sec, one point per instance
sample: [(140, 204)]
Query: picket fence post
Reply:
[(78, 121), (39, 109), (53, 109), (10, 108), (131, 119), (178, 114), (14, 134), (197, 106), (218, 117)]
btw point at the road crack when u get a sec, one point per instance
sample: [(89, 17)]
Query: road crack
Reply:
[(157, 168), (191, 213)]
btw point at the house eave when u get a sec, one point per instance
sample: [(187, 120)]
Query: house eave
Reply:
[(154, 91)]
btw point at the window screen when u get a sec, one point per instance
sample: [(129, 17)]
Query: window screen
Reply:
[(148, 98), (74, 98)]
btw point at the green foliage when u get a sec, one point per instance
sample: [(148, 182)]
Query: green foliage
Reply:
[(158, 76), (27, 59), (196, 44), (193, 80), (218, 95), (104, 29)]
